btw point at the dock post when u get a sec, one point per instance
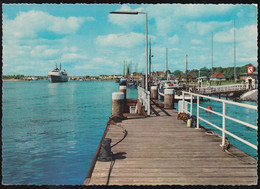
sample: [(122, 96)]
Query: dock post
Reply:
[(154, 90), (117, 104), (198, 112), (122, 88), (169, 98)]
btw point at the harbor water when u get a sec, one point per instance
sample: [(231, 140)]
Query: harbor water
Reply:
[(51, 131)]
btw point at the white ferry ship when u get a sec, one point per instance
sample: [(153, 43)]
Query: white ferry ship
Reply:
[(57, 75)]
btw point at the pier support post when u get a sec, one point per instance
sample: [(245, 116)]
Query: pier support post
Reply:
[(154, 91), (122, 88), (117, 104), (169, 98)]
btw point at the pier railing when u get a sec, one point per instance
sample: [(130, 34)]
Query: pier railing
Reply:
[(144, 98), (223, 115), (224, 88)]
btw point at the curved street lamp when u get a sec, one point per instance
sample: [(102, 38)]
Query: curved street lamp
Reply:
[(146, 33)]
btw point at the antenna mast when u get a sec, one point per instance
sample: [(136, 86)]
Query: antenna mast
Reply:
[(150, 55), (124, 69), (235, 73), (186, 67), (212, 53)]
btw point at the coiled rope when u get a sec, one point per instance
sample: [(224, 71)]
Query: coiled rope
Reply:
[(113, 160)]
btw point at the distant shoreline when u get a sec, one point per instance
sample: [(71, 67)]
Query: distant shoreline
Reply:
[(12, 80)]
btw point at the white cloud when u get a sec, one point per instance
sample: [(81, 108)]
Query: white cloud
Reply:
[(65, 26), (68, 57), (196, 42), (241, 35), (188, 10), (121, 40), (43, 51), (28, 24), (173, 39), (205, 27), (90, 18), (170, 18)]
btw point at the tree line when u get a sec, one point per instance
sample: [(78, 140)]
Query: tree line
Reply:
[(21, 77), (228, 72)]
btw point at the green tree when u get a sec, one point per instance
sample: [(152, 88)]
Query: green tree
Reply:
[(229, 72), (218, 69), (205, 72), (178, 73), (193, 73)]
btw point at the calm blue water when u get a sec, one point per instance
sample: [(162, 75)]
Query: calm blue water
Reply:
[(243, 114), (51, 130)]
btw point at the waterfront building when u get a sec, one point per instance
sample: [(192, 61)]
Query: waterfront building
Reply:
[(244, 76), (217, 76)]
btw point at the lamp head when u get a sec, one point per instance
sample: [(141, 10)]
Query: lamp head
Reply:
[(123, 12)]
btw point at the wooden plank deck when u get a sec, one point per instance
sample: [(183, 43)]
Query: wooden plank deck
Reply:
[(161, 150)]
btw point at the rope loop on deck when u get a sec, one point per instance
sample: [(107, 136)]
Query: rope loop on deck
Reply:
[(112, 159), (125, 134)]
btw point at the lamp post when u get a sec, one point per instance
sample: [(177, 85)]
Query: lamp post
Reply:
[(146, 33)]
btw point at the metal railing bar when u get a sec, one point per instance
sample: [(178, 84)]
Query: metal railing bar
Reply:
[(211, 111), (242, 140), (226, 101), (242, 122), (229, 133), (211, 124)]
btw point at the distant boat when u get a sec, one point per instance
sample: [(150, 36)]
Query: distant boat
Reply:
[(123, 81), (117, 80), (172, 84), (132, 84), (250, 95), (57, 75)]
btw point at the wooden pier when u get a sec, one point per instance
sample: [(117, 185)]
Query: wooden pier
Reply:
[(161, 150), (224, 89)]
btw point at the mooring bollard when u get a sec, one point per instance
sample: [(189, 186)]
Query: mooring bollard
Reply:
[(169, 98), (122, 88), (106, 150), (117, 104), (154, 92)]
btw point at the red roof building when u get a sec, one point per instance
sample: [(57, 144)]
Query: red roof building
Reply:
[(217, 76)]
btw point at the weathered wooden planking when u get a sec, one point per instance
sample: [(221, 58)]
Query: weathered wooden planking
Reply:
[(161, 150)]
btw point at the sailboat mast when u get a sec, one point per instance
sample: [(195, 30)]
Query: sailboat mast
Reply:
[(150, 55), (166, 64), (235, 73), (212, 53), (186, 68)]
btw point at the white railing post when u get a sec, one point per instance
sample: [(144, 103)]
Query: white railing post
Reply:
[(144, 98), (224, 125), (191, 104), (149, 103), (182, 102), (198, 112)]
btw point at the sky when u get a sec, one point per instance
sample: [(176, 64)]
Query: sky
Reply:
[(86, 40)]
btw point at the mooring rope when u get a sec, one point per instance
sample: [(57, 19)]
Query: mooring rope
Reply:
[(125, 134), (224, 148), (113, 160), (227, 146)]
